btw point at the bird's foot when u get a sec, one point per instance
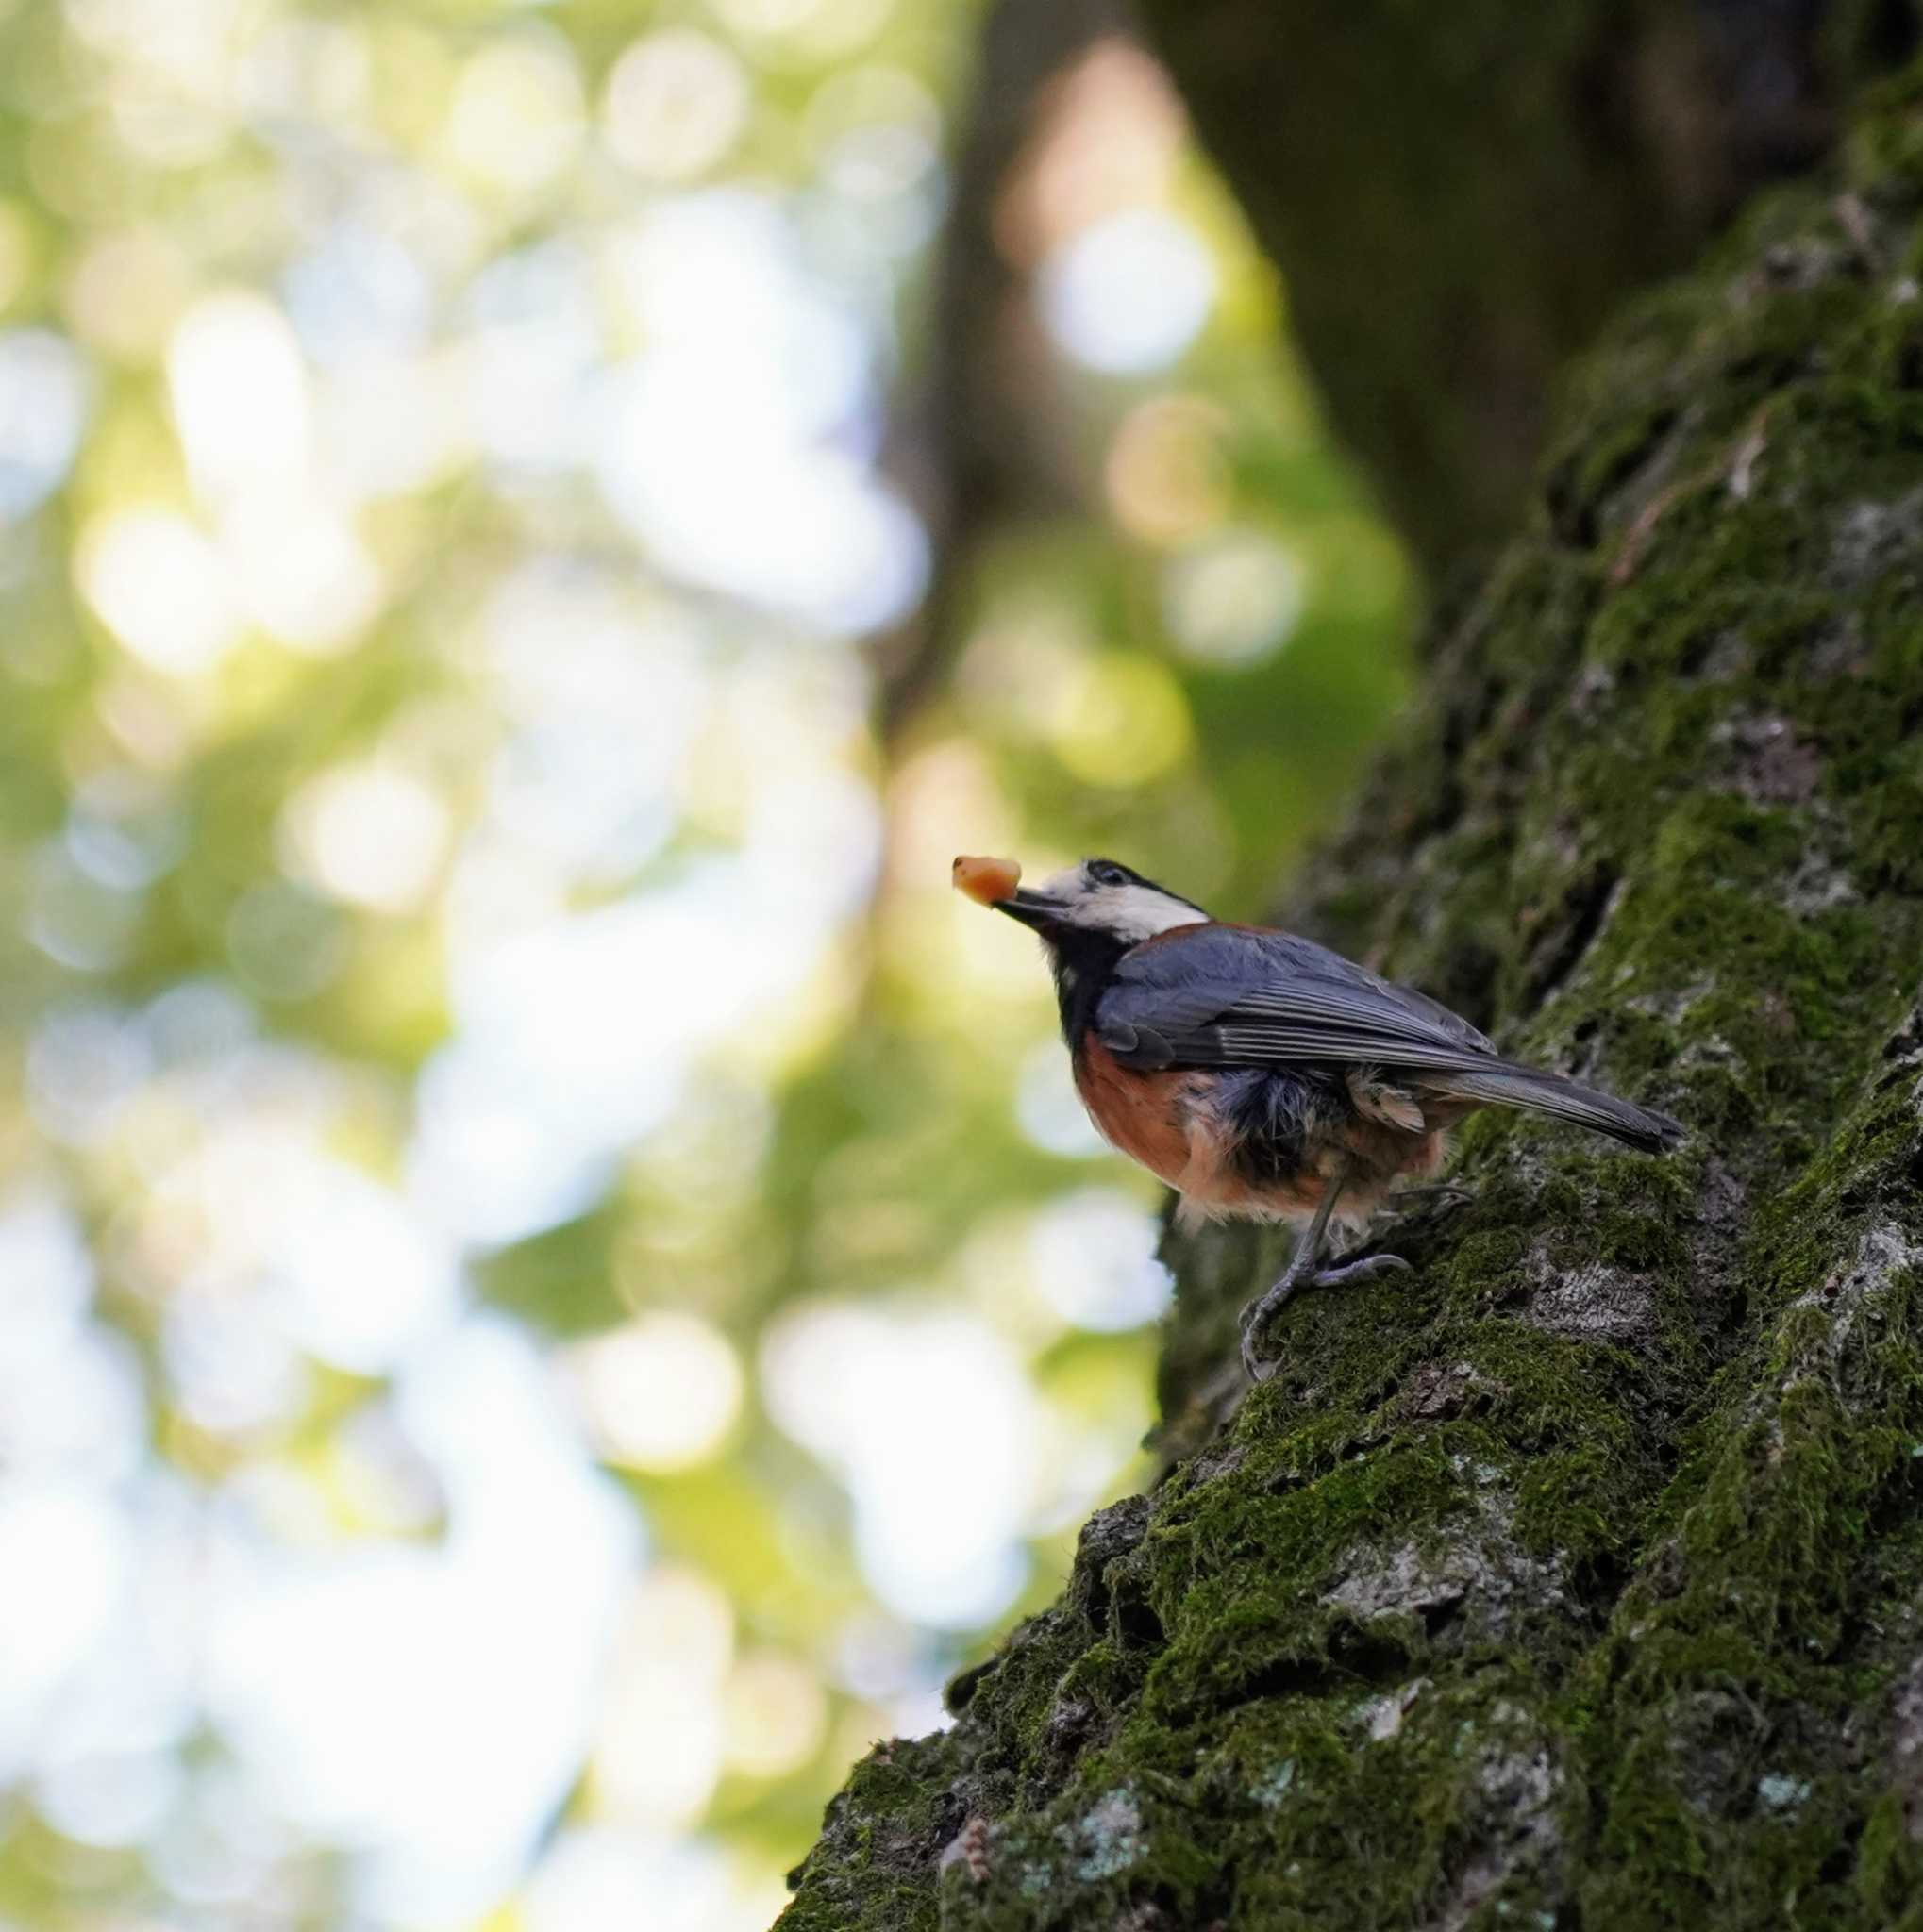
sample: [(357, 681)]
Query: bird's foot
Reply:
[(1263, 1310), (1444, 1194), (1256, 1316), (1365, 1270)]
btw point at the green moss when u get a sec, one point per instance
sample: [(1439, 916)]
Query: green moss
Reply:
[(874, 1869)]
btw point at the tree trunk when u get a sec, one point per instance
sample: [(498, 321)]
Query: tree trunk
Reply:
[(1458, 194), (1577, 1578)]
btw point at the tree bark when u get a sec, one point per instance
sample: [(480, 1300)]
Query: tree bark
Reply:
[(1575, 1580), (1458, 195)]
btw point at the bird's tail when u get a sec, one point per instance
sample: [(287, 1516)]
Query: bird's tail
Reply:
[(1505, 1084)]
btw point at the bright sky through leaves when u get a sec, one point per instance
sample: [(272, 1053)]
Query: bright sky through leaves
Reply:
[(554, 1285)]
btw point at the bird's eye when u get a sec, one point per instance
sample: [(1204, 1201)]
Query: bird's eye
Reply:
[(1102, 873)]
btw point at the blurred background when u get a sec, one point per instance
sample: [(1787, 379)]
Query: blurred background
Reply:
[(553, 1285)]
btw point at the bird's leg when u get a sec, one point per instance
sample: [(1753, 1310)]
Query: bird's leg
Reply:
[(1267, 1306), (1302, 1272)]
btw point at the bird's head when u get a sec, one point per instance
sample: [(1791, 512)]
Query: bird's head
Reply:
[(1098, 900)]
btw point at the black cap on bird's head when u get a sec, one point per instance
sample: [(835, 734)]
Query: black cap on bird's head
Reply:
[(1099, 899)]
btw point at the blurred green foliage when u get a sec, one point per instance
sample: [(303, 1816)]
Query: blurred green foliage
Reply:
[(453, 890)]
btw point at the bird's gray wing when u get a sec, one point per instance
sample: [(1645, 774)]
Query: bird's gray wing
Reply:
[(1238, 996), (1225, 995)]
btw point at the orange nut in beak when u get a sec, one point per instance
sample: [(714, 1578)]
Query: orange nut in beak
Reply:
[(987, 881)]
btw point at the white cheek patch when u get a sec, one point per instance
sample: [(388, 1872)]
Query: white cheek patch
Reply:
[(1134, 912)]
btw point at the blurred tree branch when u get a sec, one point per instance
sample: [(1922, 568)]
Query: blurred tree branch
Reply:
[(976, 438)]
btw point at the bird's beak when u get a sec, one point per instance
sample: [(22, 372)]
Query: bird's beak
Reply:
[(1032, 908)]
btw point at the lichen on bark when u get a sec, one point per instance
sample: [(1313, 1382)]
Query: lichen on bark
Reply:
[(1577, 1578)]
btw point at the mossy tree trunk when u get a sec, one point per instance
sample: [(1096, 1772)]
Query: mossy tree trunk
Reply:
[(1577, 1578), (1457, 194)]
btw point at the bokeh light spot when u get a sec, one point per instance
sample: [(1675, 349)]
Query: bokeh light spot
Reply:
[(43, 395), (661, 1392), (1166, 475), (370, 834), (1094, 1262), (126, 294), (660, 1752), (1048, 1108), (517, 114), (300, 571), (239, 389), (1233, 597), (1128, 295), (677, 101), (157, 583), (906, 1408), (815, 29), (1122, 719), (775, 1715)]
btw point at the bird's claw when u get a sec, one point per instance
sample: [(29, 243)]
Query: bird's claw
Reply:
[(1365, 1270), (1254, 1317), (1441, 1194), (1259, 1312)]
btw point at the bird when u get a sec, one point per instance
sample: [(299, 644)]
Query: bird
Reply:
[(1261, 1075)]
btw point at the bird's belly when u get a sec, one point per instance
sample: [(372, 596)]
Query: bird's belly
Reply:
[(1370, 1159), (1144, 1116), (1214, 1191), (1170, 1122), (1167, 1123)]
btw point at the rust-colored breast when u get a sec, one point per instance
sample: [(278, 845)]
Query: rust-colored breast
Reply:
[(1142, 1115), (1167, 1120)]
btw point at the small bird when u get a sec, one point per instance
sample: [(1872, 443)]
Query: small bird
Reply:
[(1260, 1074)]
